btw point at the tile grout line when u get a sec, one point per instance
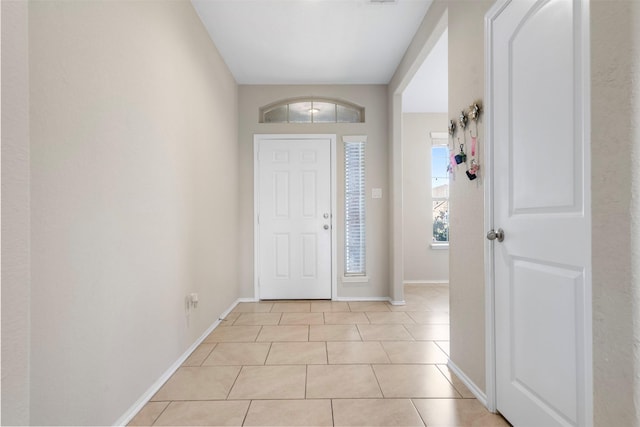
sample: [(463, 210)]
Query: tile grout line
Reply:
[(306, 380), (333, 418), (450, 382), (377, 380), (359, 332), (160, 414), (367, 316), (441, 349), (386, 352), (424, 422), (204, 359), (268, 353), (246, 414), (235, 380), (409, 332)]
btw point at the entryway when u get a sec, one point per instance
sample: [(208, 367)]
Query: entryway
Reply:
[(294, 212)]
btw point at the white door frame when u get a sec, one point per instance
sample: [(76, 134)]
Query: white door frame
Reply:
[(490, 336), (490, 332), (257, 138)]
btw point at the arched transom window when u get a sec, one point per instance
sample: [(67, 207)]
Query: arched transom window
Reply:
[(306, 110)]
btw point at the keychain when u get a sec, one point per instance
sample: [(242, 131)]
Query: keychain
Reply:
[(451, 167), (474, 167), (474, 114), (461, 157), (462, 122), (472, 173)]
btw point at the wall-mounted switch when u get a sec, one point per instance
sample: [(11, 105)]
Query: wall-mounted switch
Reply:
[(193, 300), (376, 193)]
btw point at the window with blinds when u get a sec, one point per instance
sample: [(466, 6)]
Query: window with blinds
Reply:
[(354, 182)]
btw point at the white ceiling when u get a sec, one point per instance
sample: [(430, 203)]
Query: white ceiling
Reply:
[(428, 90), (312, 41)]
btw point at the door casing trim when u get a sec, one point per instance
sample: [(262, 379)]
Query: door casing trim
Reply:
[(490, 333), (257, 138)]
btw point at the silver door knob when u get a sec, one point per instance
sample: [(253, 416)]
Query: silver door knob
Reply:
[(493, 235), (326, 227)]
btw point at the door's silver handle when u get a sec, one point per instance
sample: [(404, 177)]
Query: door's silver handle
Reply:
[(326, 226), (325, 216), (493, 235)]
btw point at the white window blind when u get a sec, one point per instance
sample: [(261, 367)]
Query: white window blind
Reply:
[(355, 235)]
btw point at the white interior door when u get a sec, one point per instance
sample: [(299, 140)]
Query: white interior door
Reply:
[(294, 218), (540, 128)]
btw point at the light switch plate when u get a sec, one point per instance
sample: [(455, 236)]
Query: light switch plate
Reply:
[(376, 193)]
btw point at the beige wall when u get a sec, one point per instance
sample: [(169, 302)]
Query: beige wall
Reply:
[(134, 199), (466, 268), (421, 262), (15, 213), (465, 20), (615, 141), (431, 29), (374, 100)]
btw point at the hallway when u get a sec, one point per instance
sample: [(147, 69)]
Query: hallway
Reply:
[(323, 363)]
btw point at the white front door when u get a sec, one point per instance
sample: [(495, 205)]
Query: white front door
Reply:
[(293, 185), (538, 94)]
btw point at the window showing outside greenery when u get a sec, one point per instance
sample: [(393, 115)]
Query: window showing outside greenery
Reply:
[(440, 192)]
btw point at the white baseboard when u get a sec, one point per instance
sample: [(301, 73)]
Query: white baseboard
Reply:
[(361, 299), (147, 395), (479, 394), (402, 302), (425, 282)]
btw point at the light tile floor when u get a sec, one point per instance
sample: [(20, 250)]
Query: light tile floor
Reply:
[(323, 363)]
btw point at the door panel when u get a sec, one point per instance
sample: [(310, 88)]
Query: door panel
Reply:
[(294, 185), (538, 76), (309, 256), (532, 284), (281, 255), (309, 194), (542, 268), (281, 194)]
